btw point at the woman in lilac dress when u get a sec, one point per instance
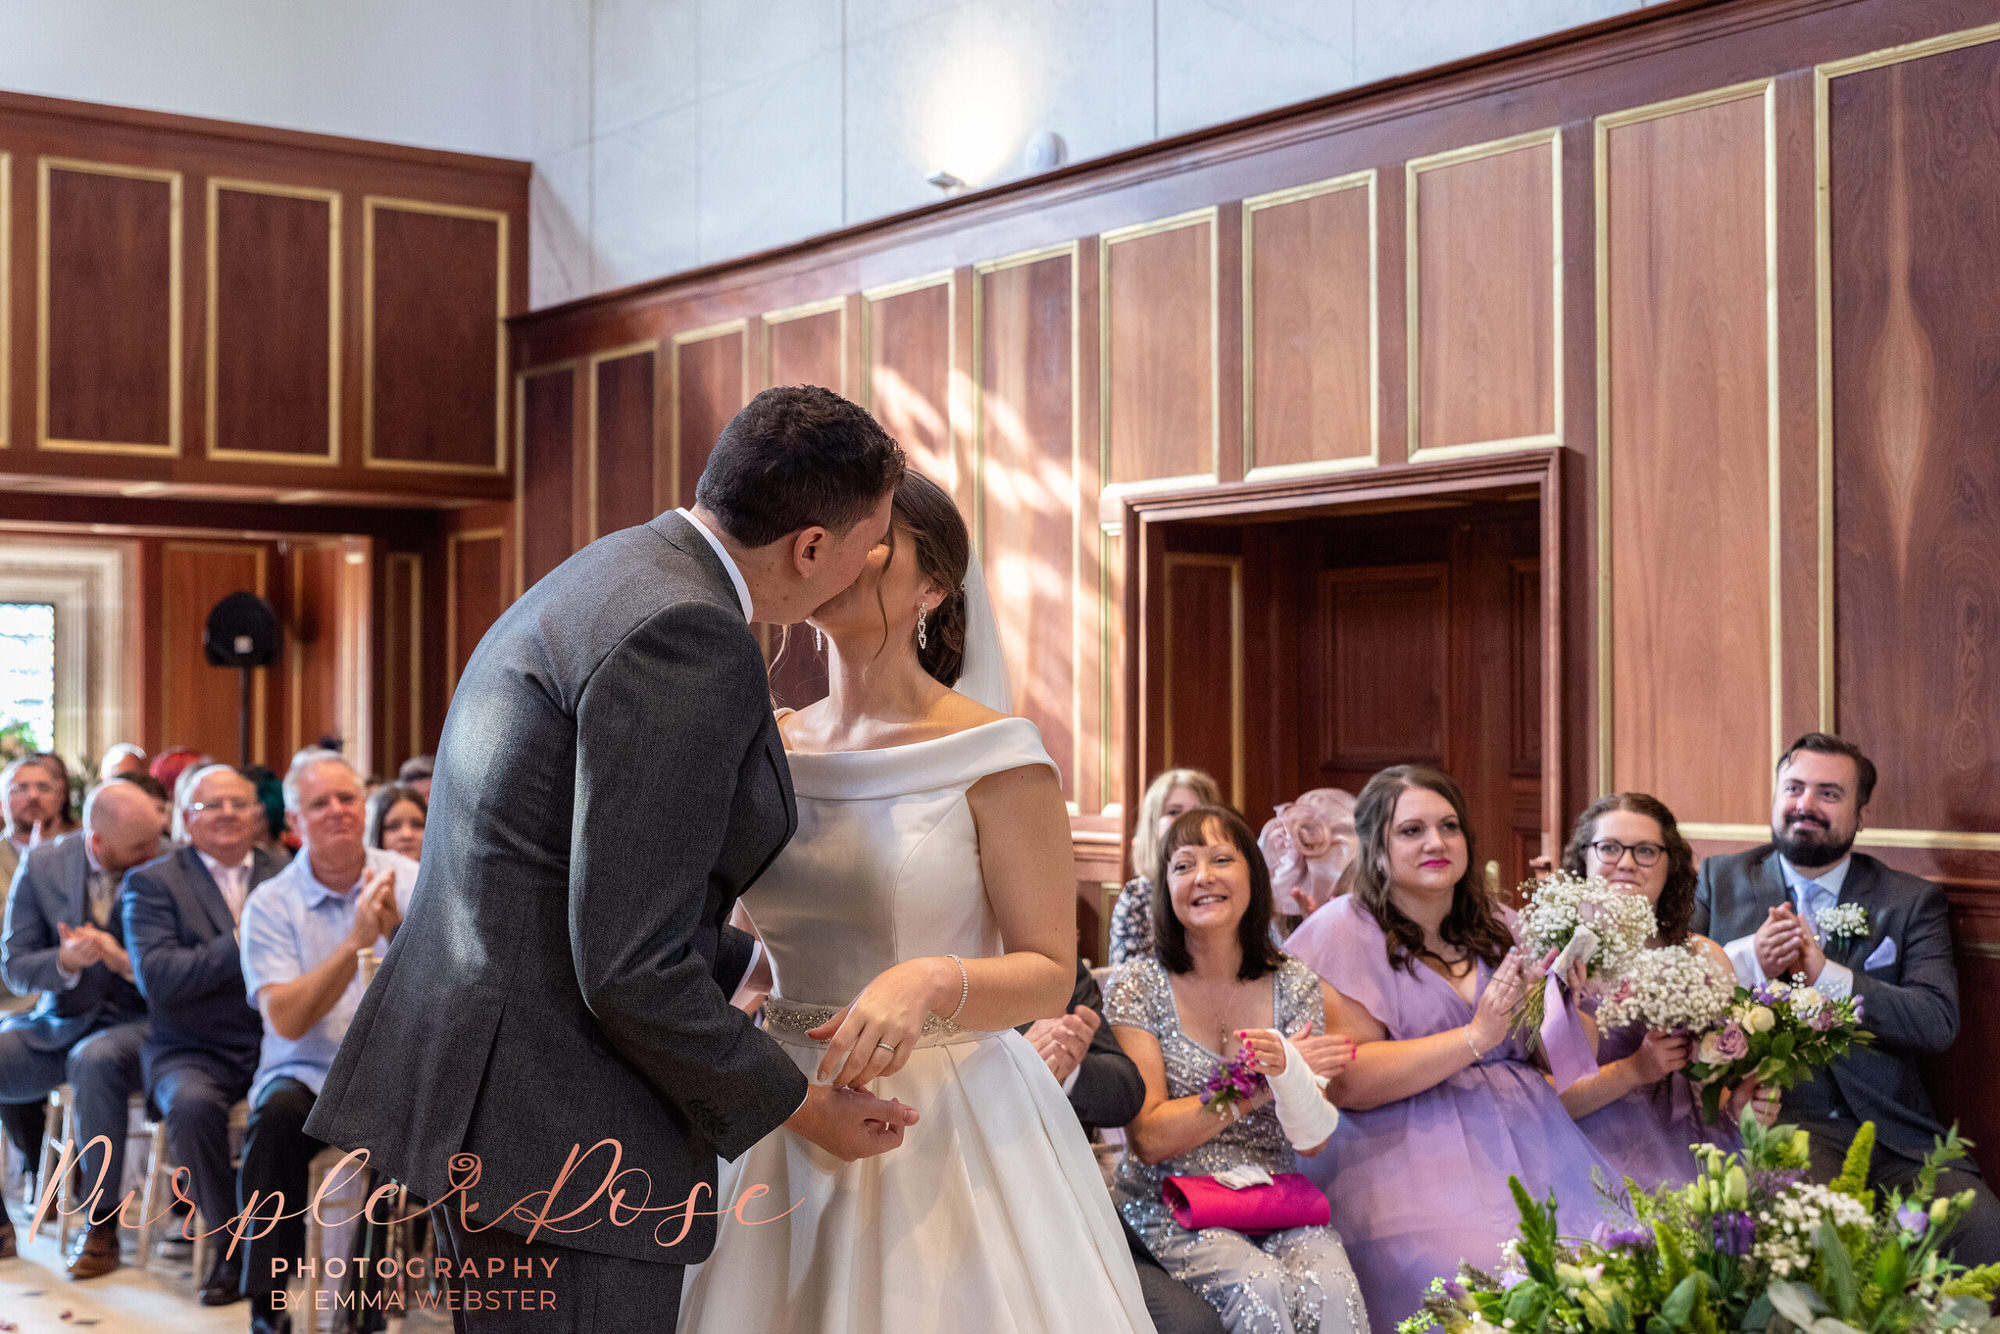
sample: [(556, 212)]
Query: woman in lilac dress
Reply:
[(1441, 1104), (1638, 1109)]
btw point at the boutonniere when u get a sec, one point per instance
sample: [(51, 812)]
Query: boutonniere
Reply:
[(1843, 921)]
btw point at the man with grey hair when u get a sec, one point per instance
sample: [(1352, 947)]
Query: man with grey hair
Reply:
[(181, 913), (65, 938), (122, 758), (303, 934)]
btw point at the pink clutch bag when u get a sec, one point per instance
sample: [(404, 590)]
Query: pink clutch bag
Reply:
[(1291, 1200)]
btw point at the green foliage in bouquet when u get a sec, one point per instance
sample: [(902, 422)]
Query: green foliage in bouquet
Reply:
[(1748, 1247), (1779, 1032)]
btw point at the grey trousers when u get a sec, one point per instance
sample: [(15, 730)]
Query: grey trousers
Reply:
[(538, 1288), (103, 1071)]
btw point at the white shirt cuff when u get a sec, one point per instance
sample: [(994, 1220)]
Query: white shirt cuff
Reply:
[(1070, 1082), (69, 979), (1742, 952), (1836, 981)]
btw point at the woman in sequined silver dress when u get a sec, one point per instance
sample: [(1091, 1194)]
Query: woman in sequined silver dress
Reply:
[(1212, 984)]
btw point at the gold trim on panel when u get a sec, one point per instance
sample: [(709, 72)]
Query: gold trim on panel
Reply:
[(1234, 564), (172, 447), (1212, 215), (1606, 695), (369, 205), (739, 325), (415, 685), (6, 292), (593, 361), (1069, 250), (870, 298), (1107, 533), (1823, 76), (521, 378), (1414, 168), (331, 198), (787, 315), (296, 668), (1726, 833), (258, 697), (1276, 198), (452, 542)]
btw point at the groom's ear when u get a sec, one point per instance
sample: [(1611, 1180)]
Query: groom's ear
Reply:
[(809, 547)]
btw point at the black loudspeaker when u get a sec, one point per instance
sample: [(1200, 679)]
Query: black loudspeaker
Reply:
[(242, 631)]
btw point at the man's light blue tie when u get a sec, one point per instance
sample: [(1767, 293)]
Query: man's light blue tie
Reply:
[(1818, 899)]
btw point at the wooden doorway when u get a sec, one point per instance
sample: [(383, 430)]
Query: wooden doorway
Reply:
[(1307, 634)]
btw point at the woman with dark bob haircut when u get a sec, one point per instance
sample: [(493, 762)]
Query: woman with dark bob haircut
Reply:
[(1638, 1108), (1444, 1101), (1213, 986)]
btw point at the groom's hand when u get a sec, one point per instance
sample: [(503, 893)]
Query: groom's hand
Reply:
[(851, 1125)]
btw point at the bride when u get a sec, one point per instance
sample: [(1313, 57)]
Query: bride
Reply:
[(921, 912)]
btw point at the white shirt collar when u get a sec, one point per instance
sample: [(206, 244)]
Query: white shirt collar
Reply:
[(215, 867), (722, 554), (1831, 881)]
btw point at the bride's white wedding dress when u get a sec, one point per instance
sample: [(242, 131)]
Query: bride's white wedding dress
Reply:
[(991, 1215)]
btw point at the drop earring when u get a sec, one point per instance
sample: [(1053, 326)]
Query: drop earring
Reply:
[(819, 641), (923, 640)]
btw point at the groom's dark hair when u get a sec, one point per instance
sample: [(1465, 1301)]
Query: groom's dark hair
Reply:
[(797, 456)]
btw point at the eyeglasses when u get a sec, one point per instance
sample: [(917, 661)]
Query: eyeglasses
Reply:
[(1610, 851), (227, 806)]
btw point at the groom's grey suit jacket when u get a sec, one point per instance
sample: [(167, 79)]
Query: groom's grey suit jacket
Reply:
[(1909, 998), (609, 780)]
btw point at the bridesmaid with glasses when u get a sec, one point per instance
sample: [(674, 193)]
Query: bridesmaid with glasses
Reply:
[(1639, 1110)]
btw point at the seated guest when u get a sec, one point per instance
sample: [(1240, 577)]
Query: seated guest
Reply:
[(1638, 1110), (396, 819), (181, 915), (174, 761), (37, 789), (301, 932), (1170, 795), (163, 805), (123, 758), (271, 792), (1442, 1102), (1766, 906), (416, 774), (65, 938), (1213, 985)]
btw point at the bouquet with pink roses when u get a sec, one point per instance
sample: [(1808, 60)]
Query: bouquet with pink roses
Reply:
[(1307, 843), (1779, 1032)]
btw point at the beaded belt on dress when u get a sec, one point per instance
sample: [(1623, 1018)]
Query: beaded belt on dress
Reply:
[(788, 1021)]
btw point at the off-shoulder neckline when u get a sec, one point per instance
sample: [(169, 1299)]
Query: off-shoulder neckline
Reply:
[(791, 754)]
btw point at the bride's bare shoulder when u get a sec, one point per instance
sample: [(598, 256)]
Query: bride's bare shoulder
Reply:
[(956, 713)]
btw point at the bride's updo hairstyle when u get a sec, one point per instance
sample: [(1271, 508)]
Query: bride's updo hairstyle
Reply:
[(943, 549)]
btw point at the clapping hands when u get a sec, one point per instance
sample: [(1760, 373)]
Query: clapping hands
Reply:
[(1785, 944), (376, 915), (1327, 1054), (1063, 1042)]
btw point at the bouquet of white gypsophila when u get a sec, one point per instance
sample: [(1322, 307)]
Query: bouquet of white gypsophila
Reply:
[(1678, 989), (1579, 918)]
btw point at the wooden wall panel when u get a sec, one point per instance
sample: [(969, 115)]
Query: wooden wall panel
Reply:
[(624, 440), (906, 382), (1484, 295), (1309, 326), (1685, 456), (1024, 459), (1204, 641), (547, 465), (478, 587), (198, 703), (434, 292), (1386, 640), (807, 345), (1915, 577), (316, 683), (273, 323), (1157, 359), (711, 383), (403, 660), (109, 253)]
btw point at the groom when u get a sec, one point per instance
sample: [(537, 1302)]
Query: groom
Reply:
[(609, 780)]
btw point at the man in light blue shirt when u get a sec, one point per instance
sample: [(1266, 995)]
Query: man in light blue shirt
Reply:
[(302, 934)]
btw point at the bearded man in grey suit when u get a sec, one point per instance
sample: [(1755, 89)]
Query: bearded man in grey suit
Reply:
[(1766, 906), (609, 781)]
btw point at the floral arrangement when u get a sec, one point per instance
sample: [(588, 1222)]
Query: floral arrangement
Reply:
[(1239, 1081), (1611, 926), (1777, 1031), (1843, 921), (1748, 1245), (1677, 989)]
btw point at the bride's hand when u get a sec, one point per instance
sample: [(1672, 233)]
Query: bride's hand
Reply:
[(875, 1034)]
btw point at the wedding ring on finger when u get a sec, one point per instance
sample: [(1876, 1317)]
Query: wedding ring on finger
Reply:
[(887, 1047)]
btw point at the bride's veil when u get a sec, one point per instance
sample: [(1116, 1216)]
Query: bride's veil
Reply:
[(983, 673)]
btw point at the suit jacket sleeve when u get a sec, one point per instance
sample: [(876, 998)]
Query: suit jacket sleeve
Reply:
[(652, 810), (1704, 899), (168, 972), (1919, 1013), (1108, 1090), (29, 947)]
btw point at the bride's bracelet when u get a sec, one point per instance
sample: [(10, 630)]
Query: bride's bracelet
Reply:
[(964, 987)]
